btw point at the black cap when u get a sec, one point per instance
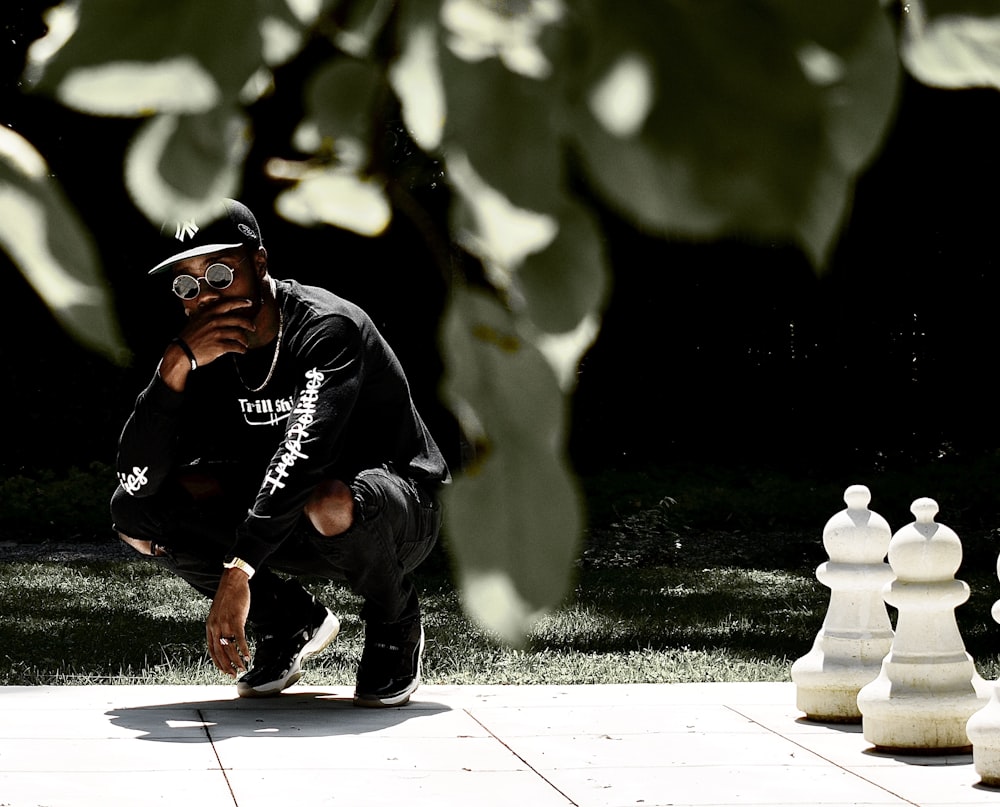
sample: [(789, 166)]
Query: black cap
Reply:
[(233, 226)]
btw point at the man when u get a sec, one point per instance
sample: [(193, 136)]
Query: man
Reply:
[(279, 434)]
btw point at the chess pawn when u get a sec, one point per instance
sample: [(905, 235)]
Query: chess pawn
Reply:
[(928, 687), (856, 633), (983, 728)]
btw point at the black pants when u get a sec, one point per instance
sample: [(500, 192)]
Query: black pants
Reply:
[(396, 524)]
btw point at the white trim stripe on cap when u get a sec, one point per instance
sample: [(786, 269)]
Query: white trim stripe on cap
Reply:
[(192, 253)]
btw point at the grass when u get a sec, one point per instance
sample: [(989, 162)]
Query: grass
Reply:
[(670, 588), (129, 622)]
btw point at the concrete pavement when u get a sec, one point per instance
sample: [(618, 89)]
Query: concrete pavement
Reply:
[(535, 746)]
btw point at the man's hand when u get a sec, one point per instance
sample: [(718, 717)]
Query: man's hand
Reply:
[(223, 326), (225, 628)]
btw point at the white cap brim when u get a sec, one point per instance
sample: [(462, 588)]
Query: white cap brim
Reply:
[(205, 249)]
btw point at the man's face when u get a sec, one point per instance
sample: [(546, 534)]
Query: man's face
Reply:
[(245, 283)]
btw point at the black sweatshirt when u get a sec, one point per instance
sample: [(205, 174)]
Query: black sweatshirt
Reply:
[(337, 403)]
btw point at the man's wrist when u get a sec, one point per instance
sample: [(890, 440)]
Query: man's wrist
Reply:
[(174, 367), (242, 565), (187, 351)]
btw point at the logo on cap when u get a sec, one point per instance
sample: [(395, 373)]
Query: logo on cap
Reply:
[(186, 229), (249, 233)]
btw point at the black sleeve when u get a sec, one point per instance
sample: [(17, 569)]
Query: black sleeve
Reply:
[(332, 366), (147, 447)]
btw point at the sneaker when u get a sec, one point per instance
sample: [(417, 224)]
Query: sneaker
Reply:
[(389, 671), (277, 660)]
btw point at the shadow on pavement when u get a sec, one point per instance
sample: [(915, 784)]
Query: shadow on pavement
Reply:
[(313, 714)]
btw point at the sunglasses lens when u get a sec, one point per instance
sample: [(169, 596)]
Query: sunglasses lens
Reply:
[(185, 287), (219, 276)]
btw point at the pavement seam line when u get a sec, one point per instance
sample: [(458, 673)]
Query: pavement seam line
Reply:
[(530, 767), (215, 751), (820, 756)]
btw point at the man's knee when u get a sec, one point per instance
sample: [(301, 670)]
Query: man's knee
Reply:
[(150, 548), (330, 508)]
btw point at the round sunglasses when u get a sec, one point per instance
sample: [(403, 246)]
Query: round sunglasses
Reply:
[(218, 276)]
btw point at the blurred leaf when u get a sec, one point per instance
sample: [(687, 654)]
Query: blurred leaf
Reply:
[(178, 165), (823, 211), (361, 25), (952, 43), (514, 33), (170, 62), (848, 52), (342, 100), (44, 237), (415, 73), (126, 89), (731, 129), (514, 518), (564, 350), (339, 198), (550, 269), (284, 25), (736, 115), (504, 123), (341, 103), (173, 51), (487, 224), (569, 279), (136, 59)]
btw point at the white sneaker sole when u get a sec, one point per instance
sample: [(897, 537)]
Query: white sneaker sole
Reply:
[(327, 633)]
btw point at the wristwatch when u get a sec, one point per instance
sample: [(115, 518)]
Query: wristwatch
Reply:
[(242, 565)]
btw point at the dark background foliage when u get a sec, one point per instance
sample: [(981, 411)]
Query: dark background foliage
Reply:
[(740, 351), (731, 353)]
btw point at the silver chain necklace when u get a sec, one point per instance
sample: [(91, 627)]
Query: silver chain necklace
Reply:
[(274, 361)]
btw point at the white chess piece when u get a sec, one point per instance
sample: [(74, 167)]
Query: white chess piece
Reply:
[(983, 728), (928, 687), (856, 634)]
